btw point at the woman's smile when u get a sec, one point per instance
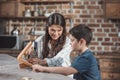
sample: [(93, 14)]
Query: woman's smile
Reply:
[(55, 31)]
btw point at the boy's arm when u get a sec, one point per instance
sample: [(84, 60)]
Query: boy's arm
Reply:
[(58, 70)]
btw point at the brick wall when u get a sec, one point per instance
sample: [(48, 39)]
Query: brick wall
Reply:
[(89, 12)]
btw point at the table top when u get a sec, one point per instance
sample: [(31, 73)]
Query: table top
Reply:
[(9, 70)]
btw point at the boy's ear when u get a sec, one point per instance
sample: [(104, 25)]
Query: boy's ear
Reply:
[(81, 41)]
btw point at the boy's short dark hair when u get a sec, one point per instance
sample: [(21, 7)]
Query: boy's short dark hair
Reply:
[(82, 31)]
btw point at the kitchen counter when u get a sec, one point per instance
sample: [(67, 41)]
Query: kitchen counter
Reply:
[(9, 70)]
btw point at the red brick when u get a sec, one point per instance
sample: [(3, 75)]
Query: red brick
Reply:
[(100, 34), (77, 11), (99, 48), (84, 11), (85, 16), (92, 29), (107, 39), (106, 20), (100, 39), (79, 7), (91, 11), (107, 43), (107, 25), (99, 12), (98, 16), (113, 30), (106, 30), (92, 20), (93, 7), (66, 7), (93, 2), (86, 3), (78, 3), (99, 20), (85, 20), (77, 20), (93, 25), (99, 30), (115, 39), (92, 48), (107, 48), (113, 35), (94, 43)]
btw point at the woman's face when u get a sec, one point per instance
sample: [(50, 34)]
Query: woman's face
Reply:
[(55, 31)]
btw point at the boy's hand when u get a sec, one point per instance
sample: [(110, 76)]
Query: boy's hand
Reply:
[(37, 68)]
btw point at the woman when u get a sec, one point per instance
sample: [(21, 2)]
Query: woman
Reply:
[(53, 48)]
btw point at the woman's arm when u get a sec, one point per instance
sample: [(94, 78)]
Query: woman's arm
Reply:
[(62, 58)]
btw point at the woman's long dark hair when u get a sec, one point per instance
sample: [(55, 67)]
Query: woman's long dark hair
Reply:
[(54, 19)]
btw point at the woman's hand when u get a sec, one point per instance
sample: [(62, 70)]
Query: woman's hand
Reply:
[(38, 61), (33, 60)]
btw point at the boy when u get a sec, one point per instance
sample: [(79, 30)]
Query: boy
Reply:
[(84, 66)]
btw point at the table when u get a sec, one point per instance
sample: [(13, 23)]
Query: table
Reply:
[(9, 70)]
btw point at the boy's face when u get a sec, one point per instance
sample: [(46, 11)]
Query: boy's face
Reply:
[(74, 43)]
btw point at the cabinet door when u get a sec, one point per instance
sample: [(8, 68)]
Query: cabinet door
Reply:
[(110, 68), (110, 64), (112, 9), (10, 9), (110, 76)]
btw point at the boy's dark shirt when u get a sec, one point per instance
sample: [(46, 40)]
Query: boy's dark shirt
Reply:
[(87, 67)]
